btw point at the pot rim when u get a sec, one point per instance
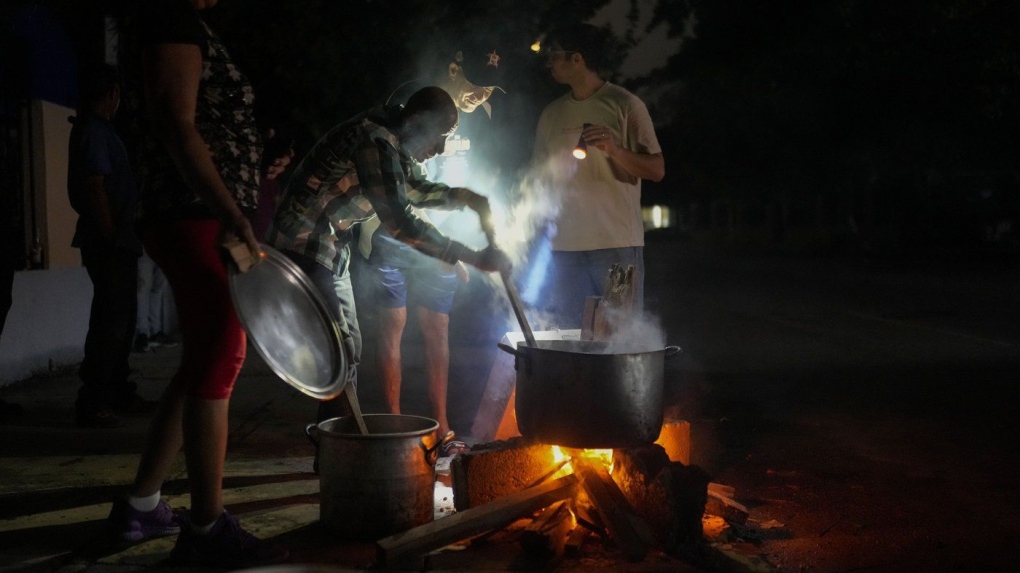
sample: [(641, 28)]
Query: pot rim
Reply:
[(433, 426), (638, 350)]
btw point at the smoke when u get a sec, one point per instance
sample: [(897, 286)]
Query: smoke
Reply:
[(633, 331), (536, 200), (519, 214)]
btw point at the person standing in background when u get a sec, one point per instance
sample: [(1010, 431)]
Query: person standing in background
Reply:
[(101, 189), (199, 159), (405, 278), (278, 154), (153, 328), (599, 223)]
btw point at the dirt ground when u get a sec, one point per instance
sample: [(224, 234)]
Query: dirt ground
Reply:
[(869, 408)]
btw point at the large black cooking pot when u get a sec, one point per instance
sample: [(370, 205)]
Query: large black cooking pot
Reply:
[(589, 394)]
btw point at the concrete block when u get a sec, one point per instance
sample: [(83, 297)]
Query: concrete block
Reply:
[(668, 495), (497, 469), (675, 438)]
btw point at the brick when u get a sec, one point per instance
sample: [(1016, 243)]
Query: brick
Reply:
[(675, 438), (668, 495), (497, 469)]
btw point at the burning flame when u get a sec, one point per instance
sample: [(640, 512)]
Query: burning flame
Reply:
[(605, 457)]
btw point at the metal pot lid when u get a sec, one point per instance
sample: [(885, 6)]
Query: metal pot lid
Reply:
[(290, 325)]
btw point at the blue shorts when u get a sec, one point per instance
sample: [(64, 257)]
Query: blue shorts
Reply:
[(405, 275)]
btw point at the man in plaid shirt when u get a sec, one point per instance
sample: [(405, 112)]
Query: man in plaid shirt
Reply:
[(370, 166)]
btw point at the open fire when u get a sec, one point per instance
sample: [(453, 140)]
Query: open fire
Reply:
[(626, 501), (564, 455)]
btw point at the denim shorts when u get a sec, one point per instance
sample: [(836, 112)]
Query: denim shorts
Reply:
[(573, 276), (406, 277)]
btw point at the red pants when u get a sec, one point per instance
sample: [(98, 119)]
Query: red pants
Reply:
[(212, 339)]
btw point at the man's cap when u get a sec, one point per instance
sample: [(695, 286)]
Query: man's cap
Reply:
[(483, 65)]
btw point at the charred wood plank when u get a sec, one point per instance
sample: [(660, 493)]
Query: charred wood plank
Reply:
[(613, 508), (422, 539), (726, 508), (548, 531), (588, 517), (496, 408), (575, 540), (722, 490)]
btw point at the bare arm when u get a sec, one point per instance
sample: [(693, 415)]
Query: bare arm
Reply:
[(99, 202), (649, 166), (172, 77), (643, 165)]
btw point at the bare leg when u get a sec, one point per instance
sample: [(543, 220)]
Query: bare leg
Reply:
[(205, 447), (163, 442), (435, 328), (391, 328)]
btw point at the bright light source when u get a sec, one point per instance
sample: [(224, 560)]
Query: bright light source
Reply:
[(454, 171), (537, 46), (580, 152), (656, 216)]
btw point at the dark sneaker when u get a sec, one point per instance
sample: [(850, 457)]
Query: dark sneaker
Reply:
[(226, 546), (142, 344), (161, 339), (102, 419), (126, 523), (133, 405)]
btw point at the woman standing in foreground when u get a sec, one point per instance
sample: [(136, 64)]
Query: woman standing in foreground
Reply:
[(199, 155)]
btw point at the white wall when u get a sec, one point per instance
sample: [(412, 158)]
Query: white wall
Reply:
[(47, 323), (49, 318), (53, 130)]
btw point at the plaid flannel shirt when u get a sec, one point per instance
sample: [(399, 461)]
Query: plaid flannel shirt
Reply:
[(356, 171)]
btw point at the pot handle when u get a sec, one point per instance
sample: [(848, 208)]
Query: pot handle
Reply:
[(312, 431), (518, 355), (508, 349), (672, 351), (432, 454)]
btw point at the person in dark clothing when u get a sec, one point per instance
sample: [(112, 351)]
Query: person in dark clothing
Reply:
[(199, 165), (102, 191)]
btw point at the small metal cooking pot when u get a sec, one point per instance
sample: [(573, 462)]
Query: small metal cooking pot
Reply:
[(588, 394), (376, 484)]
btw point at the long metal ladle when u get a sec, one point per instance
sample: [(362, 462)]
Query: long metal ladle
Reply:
[(511, 290), (352, 400)]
